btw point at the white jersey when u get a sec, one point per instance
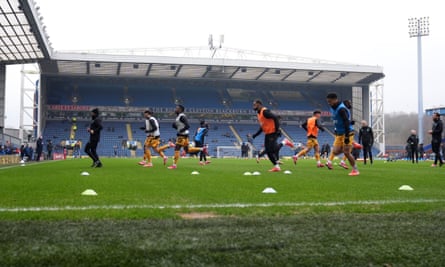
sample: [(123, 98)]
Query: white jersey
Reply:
[(149, 128), (180, 125)]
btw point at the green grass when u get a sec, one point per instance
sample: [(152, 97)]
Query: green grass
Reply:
[(317, 217), (126, 190)]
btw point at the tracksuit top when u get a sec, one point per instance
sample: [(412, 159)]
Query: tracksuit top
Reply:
[(338, 121)]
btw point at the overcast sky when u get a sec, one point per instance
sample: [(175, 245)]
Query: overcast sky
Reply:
[(352, 31)]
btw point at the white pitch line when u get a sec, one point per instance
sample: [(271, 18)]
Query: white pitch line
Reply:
[(227, 205), (16, 165)]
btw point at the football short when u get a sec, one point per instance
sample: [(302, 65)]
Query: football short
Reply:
[(182, 141), (311, 143), (152, 141), (340, 140)]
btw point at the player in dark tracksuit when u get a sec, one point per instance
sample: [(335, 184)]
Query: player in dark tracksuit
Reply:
[(366, 139), (436, 134), (413, 143), (94, 130)]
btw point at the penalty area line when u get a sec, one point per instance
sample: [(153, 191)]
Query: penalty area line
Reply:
[(222, 205)]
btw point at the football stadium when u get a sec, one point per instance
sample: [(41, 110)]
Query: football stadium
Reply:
[(62, 212)]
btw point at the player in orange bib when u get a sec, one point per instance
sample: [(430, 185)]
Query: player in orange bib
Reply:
[(270, 126), (311, 125)]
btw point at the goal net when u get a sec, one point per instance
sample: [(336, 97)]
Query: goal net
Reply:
[(230, 152)]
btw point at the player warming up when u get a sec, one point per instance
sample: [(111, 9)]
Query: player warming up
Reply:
[(311, 125), (344, 133), (152, 140), (270, 126), (94, 130), (199, 137), (182, 136)]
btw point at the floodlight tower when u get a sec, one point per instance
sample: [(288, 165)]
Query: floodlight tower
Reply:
[(215, 48), (419, 27)]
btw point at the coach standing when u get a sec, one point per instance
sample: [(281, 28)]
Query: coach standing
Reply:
[(366, 138), (94, 130), (436, 135)]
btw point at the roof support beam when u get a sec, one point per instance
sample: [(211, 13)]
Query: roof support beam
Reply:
[(342, 74), (178, 69), (208, 69), (118, 71), (314, 76), (289, 74), (262, 73), (233, 73), (148, 69)]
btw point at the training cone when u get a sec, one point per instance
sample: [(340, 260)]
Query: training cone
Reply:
[(89, 192), (287, 172), (406, 188), (256, 173), (247, 173), (84, 173), (195, 172), (269, 190)]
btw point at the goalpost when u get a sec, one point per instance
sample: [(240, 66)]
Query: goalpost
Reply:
[(230, 152)]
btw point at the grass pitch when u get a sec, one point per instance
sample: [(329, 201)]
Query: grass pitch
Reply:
[(317, 217)]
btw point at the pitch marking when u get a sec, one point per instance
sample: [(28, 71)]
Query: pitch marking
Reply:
[(227, 205)]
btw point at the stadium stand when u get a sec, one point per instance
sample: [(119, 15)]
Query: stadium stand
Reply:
[(233, 121)]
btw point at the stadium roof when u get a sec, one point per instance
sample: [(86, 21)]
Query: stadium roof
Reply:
[(171, 67), (23, 40), (22, 35)]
